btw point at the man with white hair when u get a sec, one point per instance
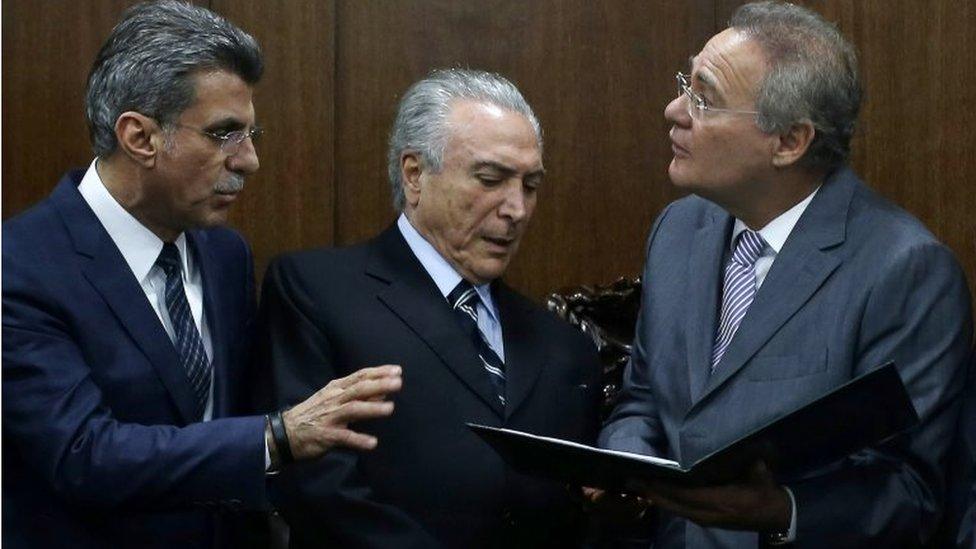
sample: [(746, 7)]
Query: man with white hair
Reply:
[(465, 163)]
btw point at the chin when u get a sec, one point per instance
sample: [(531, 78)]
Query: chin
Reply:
[(678, 177)]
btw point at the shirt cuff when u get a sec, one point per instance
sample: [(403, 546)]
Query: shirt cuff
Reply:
[(267, 460), (791, 533)]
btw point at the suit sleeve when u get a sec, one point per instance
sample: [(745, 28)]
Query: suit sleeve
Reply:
[(634, 425), (326, 501), (54, 412), (917, 315)]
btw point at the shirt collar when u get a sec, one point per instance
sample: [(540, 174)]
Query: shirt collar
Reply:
[(778, 230), (139, 246), (444, 275)]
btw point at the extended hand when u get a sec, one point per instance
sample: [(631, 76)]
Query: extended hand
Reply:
[(754, 502), (320, 422), (615, 508)]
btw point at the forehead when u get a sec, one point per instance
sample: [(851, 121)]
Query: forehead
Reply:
[(220, 95), (487, 132), (730, 63)]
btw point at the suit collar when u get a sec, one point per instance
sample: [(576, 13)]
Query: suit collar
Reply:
[(110, 275), (199, 243), (525, 349), (806, 260), (706, 257)]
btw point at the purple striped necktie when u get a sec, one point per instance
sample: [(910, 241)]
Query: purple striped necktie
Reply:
[(738, 290)]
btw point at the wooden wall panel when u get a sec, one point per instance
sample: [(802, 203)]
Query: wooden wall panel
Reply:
[(598, 75), (914, 144), (48, 48), (288, 204)]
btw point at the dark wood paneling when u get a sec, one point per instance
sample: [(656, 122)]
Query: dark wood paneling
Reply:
[(289, 202), (915, 144), (598, 75), (48, 48)]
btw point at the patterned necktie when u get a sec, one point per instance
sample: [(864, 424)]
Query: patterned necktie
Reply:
[(464, 299), (189, 344), (738, 290)]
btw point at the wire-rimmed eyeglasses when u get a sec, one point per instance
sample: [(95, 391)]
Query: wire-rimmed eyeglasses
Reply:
[(230, 142), (697, 105)]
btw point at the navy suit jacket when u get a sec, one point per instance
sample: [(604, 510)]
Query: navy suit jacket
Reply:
[(431, 482), (857, 283), (99, 446)]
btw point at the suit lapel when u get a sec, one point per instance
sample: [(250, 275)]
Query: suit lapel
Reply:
[(212, 292), (800, 269), (705, 269), (524, 348), (107, 271), (413, 296)]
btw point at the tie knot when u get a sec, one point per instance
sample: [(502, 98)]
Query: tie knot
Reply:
[(169, 258), (462, 294), (748, 248)]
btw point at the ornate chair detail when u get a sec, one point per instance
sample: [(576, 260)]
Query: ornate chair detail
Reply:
[(607, 314)]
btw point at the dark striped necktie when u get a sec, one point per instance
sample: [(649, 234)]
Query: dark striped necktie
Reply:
[(188, 343), (738, 289), (464, 300)]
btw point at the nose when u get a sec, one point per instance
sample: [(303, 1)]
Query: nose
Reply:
[(245, 160), (515, 204), (677, 111)]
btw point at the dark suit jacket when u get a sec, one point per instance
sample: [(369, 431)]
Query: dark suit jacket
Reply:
[(430, 481), (859, 282), (959, 529), (98, 449)]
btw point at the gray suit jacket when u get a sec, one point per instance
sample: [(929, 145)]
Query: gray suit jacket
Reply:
[(858, 282)]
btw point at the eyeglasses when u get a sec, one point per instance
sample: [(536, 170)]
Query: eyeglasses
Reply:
[(697, 105), (230, 142)]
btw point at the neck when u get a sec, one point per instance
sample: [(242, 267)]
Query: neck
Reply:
[(127, 185), (770, 200)]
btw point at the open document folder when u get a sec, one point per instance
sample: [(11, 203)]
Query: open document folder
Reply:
[(862, 412)]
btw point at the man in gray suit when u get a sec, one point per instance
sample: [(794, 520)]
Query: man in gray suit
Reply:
[(782, 277)]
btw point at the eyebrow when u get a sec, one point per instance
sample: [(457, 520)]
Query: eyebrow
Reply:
[(505, 169), (228, 123), (704, 79)]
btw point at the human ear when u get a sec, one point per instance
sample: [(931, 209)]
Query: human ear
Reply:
[(792, 145), (139, 137), (411, 173)]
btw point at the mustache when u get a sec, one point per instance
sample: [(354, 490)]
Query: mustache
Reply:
[(233, 184)]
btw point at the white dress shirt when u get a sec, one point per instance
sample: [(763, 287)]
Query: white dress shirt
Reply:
[(140, 247), (446, 278)]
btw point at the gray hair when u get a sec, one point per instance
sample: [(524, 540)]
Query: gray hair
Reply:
[(812, 76), (148, 63), (421, 121)]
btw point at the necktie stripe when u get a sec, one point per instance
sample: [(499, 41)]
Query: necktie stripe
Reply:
[(188, 343), (738, 290), (464, 300)]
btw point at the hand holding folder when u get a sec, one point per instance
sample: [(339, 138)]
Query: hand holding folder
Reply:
[(876, 406)]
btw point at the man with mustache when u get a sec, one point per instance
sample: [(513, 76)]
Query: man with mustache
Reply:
[(782, 277), (465, 163), (127, 312)]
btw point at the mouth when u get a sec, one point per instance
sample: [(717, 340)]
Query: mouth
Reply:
[(501, 243), (677, 149)]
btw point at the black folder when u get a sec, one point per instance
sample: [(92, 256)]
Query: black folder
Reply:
[(864, 411)]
